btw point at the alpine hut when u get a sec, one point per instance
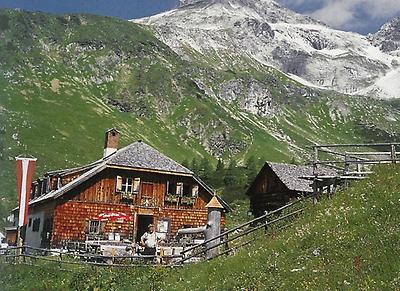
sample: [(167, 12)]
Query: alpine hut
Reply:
[(117, 196)]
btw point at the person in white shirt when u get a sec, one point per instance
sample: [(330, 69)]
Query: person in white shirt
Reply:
[(149, 241)]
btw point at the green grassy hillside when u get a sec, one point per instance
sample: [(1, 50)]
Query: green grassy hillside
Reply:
[(66, 79), (347, 243)]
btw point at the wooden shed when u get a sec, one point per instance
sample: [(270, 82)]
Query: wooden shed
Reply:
[(276, 184), (117, 196)]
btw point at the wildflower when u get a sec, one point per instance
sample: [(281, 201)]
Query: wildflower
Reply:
[(316, 252), (298, 270)]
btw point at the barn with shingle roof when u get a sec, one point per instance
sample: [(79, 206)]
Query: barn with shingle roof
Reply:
[(277, 183)]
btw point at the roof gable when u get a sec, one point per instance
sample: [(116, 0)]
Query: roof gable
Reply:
[(141, 155)]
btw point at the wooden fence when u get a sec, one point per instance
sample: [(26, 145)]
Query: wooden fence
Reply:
[(228, 242), (240, 236), (351, 159)]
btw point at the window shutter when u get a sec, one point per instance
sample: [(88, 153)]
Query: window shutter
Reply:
[(179, 188), (195, 191), (119, 184), (136, 185)]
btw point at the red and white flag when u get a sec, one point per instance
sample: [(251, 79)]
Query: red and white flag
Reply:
[(25, 170)]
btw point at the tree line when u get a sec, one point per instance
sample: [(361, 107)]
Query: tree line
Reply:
[(230, 179)]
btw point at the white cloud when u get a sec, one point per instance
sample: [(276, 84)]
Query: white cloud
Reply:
[(348, 14)]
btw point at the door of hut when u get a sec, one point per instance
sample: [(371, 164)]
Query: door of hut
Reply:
[(143, 222)]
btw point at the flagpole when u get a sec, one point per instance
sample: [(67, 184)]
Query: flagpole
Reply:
[(25, 167), (19, 244)]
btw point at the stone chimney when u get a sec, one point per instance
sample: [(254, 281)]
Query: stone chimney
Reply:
[(111, 142)]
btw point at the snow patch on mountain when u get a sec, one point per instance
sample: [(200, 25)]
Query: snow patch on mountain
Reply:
[(305, 49), (386, 87)]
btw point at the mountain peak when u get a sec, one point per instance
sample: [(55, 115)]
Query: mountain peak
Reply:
[(223, 14), (188, 2), (388, 37)]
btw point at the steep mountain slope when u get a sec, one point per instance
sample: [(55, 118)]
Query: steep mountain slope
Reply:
[(387, 39), (262, 30), (66, 79)]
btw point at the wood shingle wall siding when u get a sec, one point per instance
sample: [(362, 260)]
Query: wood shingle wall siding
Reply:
[(71, 218), (181, 218)]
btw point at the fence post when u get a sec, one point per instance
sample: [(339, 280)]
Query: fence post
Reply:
[(315, 191), (23, 254), (226, 246), (315, 161), (315, 173), (266, 222), (346, 164), (393, 153)]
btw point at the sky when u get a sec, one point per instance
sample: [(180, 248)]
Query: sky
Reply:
[(362, 16)]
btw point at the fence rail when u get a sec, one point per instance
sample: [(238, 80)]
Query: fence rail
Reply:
[(231, 240), (239, 232)]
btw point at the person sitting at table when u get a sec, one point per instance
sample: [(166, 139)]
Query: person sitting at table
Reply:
[(149, 241)]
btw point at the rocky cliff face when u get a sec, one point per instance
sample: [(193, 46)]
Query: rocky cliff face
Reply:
[(272, 35), (388, 37)]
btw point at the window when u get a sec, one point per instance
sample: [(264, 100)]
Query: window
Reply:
[(171, 188), (43, 186), (191, 190), (36, 225), (163, 225), (94, 227), (128, 185), (187, 190)]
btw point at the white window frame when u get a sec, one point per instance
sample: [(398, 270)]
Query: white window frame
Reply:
[(127, 185)]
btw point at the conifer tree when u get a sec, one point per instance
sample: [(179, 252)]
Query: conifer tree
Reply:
[(252, 169), (205, 170)]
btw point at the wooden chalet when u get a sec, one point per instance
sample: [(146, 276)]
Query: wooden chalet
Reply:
[(116, 197), (276, 184)]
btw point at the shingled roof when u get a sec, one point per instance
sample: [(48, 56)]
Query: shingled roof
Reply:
[(137, 155), (143, 156), (290, 175)]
